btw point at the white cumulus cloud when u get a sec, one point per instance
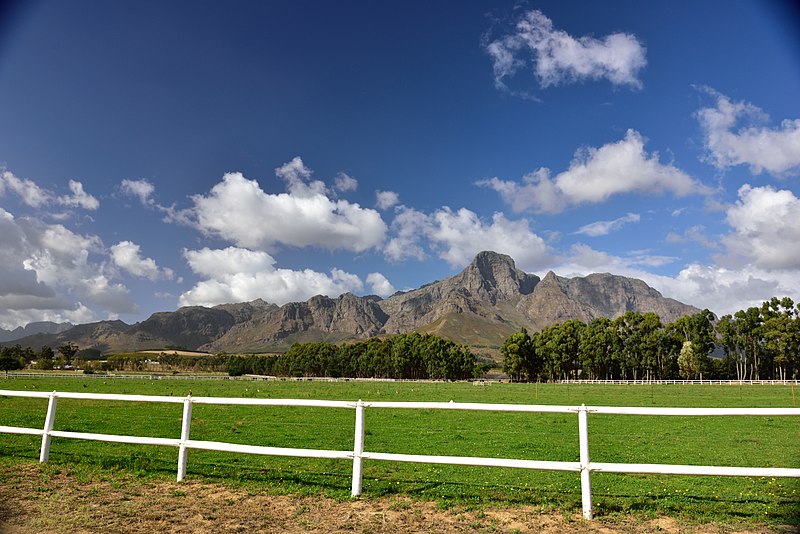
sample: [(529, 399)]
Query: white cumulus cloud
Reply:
[(239, 211), (457, 236), (734, 134), (298, 179), (409, 228), (558, 57), (30, 193), (51, 273), (380, 285), (344, 182), (141, 189), (386, 199), (765, 227), (127, 255), (460, 235), (79, 198), (594, 175), (236, 274)]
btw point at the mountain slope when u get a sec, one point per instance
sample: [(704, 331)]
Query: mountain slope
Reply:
[(42, 327)]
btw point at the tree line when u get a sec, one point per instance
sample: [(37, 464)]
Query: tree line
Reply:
[(757, 343), (404, 356), (15, 357)]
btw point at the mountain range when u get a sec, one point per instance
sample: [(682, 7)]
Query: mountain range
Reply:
[(479, 307), (41, 327)]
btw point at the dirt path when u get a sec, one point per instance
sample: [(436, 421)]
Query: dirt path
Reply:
[(44, 499)]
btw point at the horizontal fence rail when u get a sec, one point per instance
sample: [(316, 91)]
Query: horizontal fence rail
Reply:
[(584, 466)]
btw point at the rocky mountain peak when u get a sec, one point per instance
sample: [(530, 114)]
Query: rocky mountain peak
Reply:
[(495, 277)]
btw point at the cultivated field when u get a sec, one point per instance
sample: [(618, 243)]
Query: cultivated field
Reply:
[(739, 441)]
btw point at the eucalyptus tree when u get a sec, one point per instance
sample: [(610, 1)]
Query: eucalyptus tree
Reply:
[(521, 359), (560, 346), (781, 335), (599, 348), (699, 329), (749, 327), (631, 330), (732, 341)]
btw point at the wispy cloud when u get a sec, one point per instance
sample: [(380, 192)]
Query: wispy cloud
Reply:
[(37, 197), (560, 58), (606, 227)]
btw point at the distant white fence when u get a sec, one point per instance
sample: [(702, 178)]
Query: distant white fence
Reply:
[(653, 382), (249, 377), (584, 466)]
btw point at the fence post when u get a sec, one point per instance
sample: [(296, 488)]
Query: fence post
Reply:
[(586, 483), (183, 454), (358, 449), (44, 453)]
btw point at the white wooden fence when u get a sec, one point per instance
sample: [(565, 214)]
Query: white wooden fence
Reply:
[(584, 466)]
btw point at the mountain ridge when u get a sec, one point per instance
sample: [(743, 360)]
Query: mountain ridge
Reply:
[(480, 306)]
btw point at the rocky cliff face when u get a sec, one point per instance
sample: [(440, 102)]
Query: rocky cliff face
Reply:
[(319, 318), (556, 299), (480, 306), (187, 327)]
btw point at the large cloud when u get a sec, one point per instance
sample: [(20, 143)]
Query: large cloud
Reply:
[(765, 228), (49, 274), (238, 275), (775, 150), (594, 175), (239, 211), (457, 236), (560, 58)]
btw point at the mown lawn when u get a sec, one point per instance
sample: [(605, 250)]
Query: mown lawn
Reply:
[(739, 441)]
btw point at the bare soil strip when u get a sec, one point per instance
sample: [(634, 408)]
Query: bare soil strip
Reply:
[(51, 499)]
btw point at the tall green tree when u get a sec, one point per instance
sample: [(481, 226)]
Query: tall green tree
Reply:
[(520, 359), (781, 335)]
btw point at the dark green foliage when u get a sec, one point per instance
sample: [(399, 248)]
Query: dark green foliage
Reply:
[(404, 356), (90, 354), (12, 358), (759, 343)]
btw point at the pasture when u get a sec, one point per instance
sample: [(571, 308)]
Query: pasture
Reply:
[(739, 441)]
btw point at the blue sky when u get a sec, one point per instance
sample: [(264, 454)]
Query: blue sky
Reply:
[(160, 154)]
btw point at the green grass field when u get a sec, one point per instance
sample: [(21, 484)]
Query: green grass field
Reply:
[(734, 441)]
